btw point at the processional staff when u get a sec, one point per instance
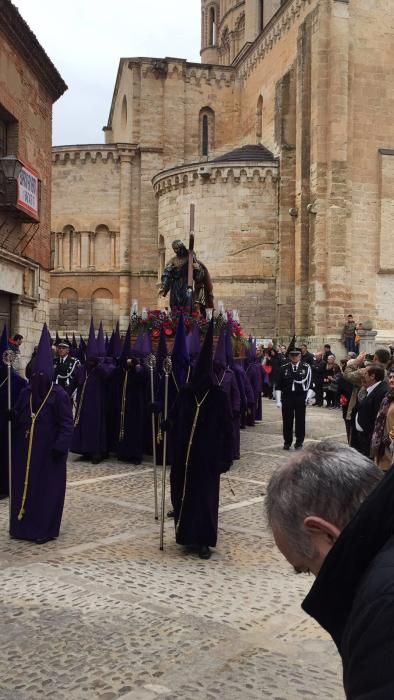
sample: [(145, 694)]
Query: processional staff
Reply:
[(9, 358), (167, 368), (151, 362)]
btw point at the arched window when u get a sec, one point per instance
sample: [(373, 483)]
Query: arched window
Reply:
[(102, 248), (102, 307), (259, 118), (212, 26), (123, 118), (68, 309), (68, 243), (207, 131)]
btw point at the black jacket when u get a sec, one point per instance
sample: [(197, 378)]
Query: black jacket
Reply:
[(368, 408), (301, 379), (353, 597)]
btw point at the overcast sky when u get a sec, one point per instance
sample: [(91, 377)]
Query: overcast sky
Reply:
[(85, 40)]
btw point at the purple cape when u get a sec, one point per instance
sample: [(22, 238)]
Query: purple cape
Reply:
[(195, 488), (227, 381), (90, 432), (128, 444), (17, 384), (47, 474)]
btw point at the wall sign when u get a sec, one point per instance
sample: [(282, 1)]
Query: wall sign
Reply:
[(28, 191)]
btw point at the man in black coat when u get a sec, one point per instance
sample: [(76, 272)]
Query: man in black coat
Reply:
[(348, 543), (64, 368), (367, 409)]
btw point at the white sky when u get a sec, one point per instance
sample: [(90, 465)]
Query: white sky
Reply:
[(85, 40)]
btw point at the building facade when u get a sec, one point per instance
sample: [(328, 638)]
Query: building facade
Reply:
[(29, 85), (283, 139)]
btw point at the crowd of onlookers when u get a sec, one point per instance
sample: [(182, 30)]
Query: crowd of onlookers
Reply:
[(360, 385)]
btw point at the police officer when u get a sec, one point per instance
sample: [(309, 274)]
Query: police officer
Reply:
[(292, 389), (65, 368)]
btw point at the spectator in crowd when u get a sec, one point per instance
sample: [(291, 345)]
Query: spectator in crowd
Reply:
[(14, 344), (330, 378), (348, 334), (382, 357), (271, 366), (345, 391), (367, 409), (383, 435), (318, 369), (331, 513), (306, 356), (326, 352)]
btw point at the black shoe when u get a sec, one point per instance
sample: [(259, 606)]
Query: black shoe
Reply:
[(96, 459), (298, 445), (170, 514), (44, 540), (204, 552), (286, 446)]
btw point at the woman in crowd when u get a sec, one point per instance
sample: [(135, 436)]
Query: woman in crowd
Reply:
[(383, 436), (330, 382)]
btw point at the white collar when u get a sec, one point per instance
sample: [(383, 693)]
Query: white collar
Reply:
[(372, 387)]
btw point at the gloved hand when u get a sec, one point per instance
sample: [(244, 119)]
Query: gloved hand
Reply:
[(278, 395)]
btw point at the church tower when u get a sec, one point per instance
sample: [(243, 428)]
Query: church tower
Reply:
[(228, 25)]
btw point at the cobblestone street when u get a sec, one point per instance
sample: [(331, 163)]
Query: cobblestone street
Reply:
[(102, 613)]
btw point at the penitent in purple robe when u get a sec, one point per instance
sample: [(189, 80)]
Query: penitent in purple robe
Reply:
[(17, 385), (90, 425), (46, 486), (226, 380), (129, 383), (195, 488)]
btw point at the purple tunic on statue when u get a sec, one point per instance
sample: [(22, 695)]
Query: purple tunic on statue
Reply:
[(47, 474), (90, 425), (227, 381), (17, 385)]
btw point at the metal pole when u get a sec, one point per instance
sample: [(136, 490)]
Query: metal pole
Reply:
[(9, 358), (167, 367), (152, 364)]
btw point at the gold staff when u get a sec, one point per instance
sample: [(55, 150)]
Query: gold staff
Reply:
[(151, 362), (167, 368)]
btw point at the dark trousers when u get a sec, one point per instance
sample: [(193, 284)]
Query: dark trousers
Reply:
[(293, 410)]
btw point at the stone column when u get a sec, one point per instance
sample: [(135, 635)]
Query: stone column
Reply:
[(92, 237), (84, 239), (367, 341), (113, 249), (77, 250), (59, 260), (125, 232)]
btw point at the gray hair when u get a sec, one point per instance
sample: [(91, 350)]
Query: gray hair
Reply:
[(328, 480)]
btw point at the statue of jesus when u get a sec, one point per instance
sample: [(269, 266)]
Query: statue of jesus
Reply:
[(175, 278)]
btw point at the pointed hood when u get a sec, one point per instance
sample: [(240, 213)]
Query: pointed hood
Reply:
[(110, 348), (101, 341), (162, 351), (143, 345), (202, 378), (67, 340), (74, 342), (193, 342), (91, 348), (117, 351), (220, 358), (106, 343), (291, 345), (57, 338), (126, 351), (3, 348), (81, 352), (180, 355), (42, 370)]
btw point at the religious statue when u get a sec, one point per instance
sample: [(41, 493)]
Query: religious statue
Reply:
[(188, 281)]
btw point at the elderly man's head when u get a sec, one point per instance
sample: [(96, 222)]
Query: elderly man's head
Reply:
[(312, 498)]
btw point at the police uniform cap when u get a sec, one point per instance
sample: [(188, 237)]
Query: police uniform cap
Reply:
[(295, 351)]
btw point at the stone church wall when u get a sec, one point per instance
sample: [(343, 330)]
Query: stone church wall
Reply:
[(236, 240)]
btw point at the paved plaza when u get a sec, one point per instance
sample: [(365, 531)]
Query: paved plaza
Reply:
[(102, 613)]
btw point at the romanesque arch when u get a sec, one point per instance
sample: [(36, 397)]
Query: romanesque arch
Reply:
[(206, 131), (102, 307), (102, 248), (68, 309)]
